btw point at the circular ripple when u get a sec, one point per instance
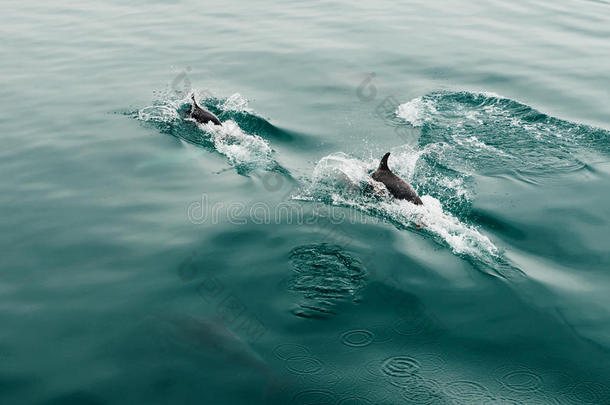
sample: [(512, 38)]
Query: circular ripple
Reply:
[(558, 381), (354, 401), (518, 378), (374, 371), (431, 362), (422, 391), (331, 377), (522, 381), (406, 381), (357, 338), (303, 365), (502, 401), (553, 399), (590, 393), (314, 397), (287, 350), (466, 391), (400, 366), (327, 376)]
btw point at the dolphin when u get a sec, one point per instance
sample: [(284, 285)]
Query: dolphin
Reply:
[(201, 115), (399, 188), (212, 337)]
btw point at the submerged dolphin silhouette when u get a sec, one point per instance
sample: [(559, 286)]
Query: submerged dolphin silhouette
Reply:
[(201, 115), (399, 188)]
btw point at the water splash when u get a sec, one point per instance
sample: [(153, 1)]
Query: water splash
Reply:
[(244, 151), (339, 179), (243, 147), (236, 102)]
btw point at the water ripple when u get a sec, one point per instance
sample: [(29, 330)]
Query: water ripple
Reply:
[(325, 274)]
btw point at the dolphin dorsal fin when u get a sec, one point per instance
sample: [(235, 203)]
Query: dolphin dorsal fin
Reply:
[(194, 101), (383, 165)]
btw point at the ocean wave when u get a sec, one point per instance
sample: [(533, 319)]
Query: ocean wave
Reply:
[(487, 134)]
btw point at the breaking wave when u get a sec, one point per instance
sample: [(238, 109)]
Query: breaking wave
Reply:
[(488, 134)]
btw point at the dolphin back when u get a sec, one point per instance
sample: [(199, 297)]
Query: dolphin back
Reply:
[(399, 188), (201, 115)]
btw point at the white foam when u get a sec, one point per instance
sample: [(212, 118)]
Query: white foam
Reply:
[(416, 111), (159, 113), (474, 143), (332, 172), (239, 147), (235, 103), (490, 94), (347, 175), (460, 237), (341, 164), (423, 109), (403, 160)]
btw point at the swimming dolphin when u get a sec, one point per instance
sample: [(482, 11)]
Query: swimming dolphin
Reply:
[(399, 188), (213, 338), (201, 115)]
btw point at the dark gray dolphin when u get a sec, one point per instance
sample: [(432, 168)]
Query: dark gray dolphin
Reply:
[(399, 188), (201, 115)]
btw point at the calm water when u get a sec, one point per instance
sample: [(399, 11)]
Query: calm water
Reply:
[(147, 260)]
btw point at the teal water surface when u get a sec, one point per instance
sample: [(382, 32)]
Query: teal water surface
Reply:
[(150, 260)]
